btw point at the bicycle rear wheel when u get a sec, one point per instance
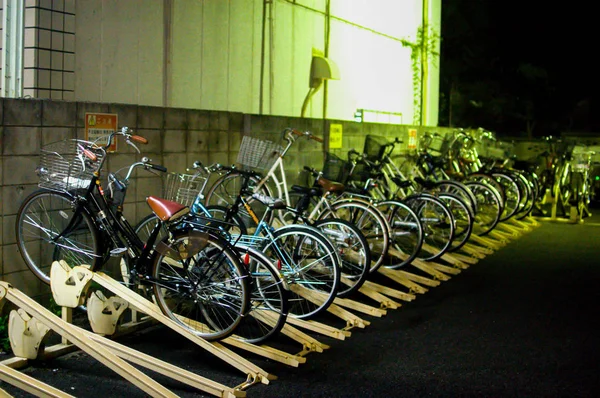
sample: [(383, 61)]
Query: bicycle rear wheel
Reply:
[(463, 219), (200, 283), (42, 234), (490, 207)]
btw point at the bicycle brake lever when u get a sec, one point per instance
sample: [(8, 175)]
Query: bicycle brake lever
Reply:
[(128, 141)]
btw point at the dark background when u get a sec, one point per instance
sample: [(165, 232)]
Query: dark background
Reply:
[(519, 68)]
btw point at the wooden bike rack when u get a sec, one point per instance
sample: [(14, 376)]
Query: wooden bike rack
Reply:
[(96, 347), (318, 298)]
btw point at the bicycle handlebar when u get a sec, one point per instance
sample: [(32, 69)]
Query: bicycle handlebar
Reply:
[(145, 163), (312, 171), (306, 134)]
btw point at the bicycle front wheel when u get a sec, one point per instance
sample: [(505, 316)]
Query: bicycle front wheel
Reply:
[(48, 230), (406, 237), (269, 298), (200, 283), (309, 265), (354, 252), (369, 220)]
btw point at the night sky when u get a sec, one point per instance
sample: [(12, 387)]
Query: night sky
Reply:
[(519, 69)]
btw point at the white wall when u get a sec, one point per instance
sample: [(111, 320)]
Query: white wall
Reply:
[(215, 56)]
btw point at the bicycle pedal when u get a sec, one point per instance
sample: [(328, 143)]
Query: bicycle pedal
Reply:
[(118, 252)]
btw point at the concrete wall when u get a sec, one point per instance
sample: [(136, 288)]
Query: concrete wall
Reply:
[(177, 137)]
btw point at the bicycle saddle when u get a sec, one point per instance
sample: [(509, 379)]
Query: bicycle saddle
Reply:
[(166, 210), (330, 186)]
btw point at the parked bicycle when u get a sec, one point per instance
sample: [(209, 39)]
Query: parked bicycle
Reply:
[(196, 278)]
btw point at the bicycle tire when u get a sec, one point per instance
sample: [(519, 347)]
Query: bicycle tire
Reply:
[(48, 213), (369, 220), (463, 219), (406, 234), (291, 244), (459, 189), (206, 273), (436, 218), (489, 205), (353, 250), (269, 298), (512, 192)]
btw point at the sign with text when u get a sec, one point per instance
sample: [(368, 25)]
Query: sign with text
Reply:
[(412, 138), (98, 126), (335, 136)]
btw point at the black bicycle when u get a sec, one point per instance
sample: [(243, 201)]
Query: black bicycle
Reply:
[(195, 277)]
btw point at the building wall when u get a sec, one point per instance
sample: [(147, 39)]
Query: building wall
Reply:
[(209, 55)]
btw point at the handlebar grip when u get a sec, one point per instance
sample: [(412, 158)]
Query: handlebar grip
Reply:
[(311, 170), (309, 135), (158, 167), (89, 154), (139, 138)]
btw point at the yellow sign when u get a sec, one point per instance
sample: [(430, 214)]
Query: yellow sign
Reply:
[(335, 136), (412, 139), (98, 126)]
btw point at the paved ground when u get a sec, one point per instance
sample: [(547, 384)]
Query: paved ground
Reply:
[(521, 322)]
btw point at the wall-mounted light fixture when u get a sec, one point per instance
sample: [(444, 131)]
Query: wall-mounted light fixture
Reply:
[(321, 69)]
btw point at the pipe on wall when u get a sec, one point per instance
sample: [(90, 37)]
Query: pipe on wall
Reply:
[(167, 37)]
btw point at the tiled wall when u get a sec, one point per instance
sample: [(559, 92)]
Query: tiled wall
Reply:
[(49, 49), (1, 27)]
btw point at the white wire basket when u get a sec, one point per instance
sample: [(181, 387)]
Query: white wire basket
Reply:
[(258, 154), (183, 188), (65, 166)]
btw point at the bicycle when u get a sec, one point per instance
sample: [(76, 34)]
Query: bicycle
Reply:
[(269, 296), (196, 279)]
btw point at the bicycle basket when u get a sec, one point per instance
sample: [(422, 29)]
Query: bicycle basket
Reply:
[(335, 168), (360, 173), (64, 165), (183, 188), (257, 153), (374, 147), (436, 144)]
